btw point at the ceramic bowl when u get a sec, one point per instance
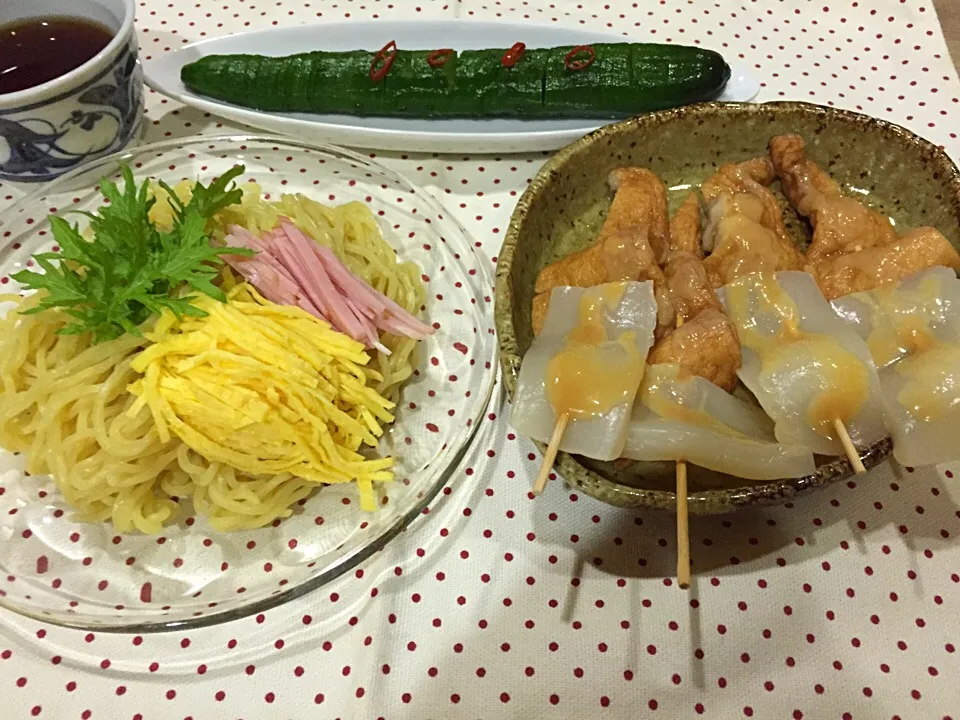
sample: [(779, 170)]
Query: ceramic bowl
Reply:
[(91, 111), (888, 167)]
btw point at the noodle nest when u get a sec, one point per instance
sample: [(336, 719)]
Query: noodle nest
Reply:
[(114, 422)]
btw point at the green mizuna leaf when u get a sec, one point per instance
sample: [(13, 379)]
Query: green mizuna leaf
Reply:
[(129, 270)]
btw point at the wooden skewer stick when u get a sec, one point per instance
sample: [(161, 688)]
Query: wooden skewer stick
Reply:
[(551, 453), (852, 455), (683, 528), (683, 519)]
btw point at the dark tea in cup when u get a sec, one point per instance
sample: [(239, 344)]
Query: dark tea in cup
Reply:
[(36, 50)]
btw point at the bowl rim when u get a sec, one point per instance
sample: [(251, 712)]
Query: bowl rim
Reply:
[(704, 502), (465, 436)]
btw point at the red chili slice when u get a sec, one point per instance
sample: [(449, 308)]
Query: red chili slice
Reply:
[(439, 58), (512, 56), (572, 62), (383, 58)]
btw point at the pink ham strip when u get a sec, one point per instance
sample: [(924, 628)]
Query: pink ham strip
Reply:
[(266, 273), (298, 257), (239, 237), (387, 315), (292, 269)]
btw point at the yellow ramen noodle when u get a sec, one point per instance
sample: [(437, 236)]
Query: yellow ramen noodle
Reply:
[(266, 389), (65, 405)]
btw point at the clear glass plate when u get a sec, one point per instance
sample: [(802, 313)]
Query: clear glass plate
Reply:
[(88, 576)]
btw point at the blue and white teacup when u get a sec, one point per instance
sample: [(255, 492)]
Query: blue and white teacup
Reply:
[(89, 112)]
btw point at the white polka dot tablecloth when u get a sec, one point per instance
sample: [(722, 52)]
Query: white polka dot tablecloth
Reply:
[(845, 604)]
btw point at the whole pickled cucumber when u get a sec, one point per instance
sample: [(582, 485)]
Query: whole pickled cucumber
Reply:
[(619, 79)]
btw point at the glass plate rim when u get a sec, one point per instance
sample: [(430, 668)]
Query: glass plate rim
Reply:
[(465, 437)]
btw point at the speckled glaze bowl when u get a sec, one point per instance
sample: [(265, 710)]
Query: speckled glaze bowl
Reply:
[(562, 210)]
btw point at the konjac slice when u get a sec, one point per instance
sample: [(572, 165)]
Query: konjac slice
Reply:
[(587, 363), (913, 332), (679, 416), (899, 320), (805, 366), (922, 398)]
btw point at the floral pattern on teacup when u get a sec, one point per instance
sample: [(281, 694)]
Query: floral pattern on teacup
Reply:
[(44, 140)]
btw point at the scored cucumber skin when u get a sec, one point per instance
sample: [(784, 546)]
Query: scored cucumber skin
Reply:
[(565, 91), (624, 79), (327, 82), (498, 91), (413, 87), (702, 72), (640, 77)]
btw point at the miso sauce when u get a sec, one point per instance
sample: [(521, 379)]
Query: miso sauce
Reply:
[(36, 50)]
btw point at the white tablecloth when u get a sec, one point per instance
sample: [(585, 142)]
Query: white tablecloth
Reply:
[(843, 605)]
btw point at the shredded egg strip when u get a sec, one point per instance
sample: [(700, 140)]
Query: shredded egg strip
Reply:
[(266, 389)]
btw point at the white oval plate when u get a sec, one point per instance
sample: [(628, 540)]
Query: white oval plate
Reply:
[(459, 136)]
